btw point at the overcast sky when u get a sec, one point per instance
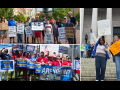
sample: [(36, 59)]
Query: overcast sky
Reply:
[(40, 9)]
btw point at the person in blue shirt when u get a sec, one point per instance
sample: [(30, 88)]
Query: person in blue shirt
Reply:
[(12, 23), (32, 71), (86, 47)]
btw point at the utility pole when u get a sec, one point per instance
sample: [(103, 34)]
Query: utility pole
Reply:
[(73, 12)]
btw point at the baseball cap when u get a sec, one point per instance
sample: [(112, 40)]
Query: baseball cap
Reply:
[(65, 17), (12, 17), (69, 12), (43, 16), (37, 16)]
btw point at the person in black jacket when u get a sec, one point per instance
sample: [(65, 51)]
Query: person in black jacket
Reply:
[(116, 59)]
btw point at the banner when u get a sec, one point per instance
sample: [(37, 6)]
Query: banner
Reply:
[(12, 31), (28, 31), (20, 28), (37, 26), (3, 26), (114, 48), (63, 49), (48, 38), (54, 73), (104, 27), (6, 64), (31, 64), (76, 64), (30, 48), (62, 34), (21, 62), (69, 32), (24, 48)]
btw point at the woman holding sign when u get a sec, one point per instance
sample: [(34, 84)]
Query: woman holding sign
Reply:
[(3, 33), (116, 59), (101, 55), (19, 36)]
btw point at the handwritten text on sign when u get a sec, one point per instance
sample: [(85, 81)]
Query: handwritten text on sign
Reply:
[(48, 38), (37, 26), (62, 34), (69, 32), (30, 48), (104, 27), (115, 48), (20, 28), (28, 31), (12, 31)]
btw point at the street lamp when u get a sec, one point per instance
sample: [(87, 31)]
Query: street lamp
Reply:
[(86, 38)]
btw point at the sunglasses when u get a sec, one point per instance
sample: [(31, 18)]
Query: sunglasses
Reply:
[(64, 18)]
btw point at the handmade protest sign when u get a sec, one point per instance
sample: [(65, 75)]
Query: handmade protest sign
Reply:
[(115, 48), (20, 28), (76, 64), (28, 31), (6, 65), (31, 64), (24, 48), (104, 27), (12, 31), (63, 49), (48, 38), (62, 34), (69, 32), (30, 48), (21, 62), (3, 26), (37, 26)]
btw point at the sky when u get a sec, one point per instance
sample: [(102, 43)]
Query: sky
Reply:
[(40, 9)]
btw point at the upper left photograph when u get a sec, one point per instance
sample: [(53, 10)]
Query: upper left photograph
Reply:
[(40, 25)]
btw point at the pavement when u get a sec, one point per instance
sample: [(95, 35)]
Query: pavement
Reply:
[(7, 40)]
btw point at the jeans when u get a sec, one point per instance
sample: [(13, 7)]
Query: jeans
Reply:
[(82, 54), (89, 53), (117, 62), (19, 38), (1, 74), (100, 63)]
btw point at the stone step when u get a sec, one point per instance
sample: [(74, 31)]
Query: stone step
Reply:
[(94, 78)]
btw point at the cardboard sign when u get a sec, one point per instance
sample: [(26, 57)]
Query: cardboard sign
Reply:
[(69, 32), (104, 27), (12, 31), (48, 38), (3, 26), (115, 48), (37, 26), (62, 34), (76, 64), (28, 31), (20, 28), (30, 48)]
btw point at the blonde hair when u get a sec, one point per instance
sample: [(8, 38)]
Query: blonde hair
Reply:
[(115, 37)]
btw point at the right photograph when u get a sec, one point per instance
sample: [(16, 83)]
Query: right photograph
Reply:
[(100, 53)]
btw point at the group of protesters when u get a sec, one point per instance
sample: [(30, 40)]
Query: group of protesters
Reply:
[(54, 60), (101, 52), (38, 36)]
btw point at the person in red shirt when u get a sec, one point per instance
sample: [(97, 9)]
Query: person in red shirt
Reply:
[(50, 61), (20, 69), (55, 62), (67, 62), (15, 55), (60, 62)]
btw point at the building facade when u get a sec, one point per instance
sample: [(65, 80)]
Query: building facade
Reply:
[(16, 10), (89, 18)]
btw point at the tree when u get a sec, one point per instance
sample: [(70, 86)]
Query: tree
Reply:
[(45, 11), (77, 16), (20, 16), (61, 12), (6, 12)]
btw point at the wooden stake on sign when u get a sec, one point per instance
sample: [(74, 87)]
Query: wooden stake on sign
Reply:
[(105, 39)]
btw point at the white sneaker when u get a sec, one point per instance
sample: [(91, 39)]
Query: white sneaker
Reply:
[(102, 80), (97, 80)]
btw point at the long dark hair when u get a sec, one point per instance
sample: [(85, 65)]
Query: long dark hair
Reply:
[(1, 19), (102, 39)]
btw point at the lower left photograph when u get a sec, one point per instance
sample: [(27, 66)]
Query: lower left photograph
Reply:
[(37, 62)]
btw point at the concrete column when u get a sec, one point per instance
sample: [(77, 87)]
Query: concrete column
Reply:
[(94, 23), (109, 38), (81, 24)]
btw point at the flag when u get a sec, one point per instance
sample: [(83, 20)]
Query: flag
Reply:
[(46, 49)]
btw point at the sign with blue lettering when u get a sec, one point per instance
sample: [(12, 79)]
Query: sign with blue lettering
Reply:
[(37, 68), (24, 48), (21, 63), (76, 64), (30, 48), (6, 64), (63, 49), (31, 64)]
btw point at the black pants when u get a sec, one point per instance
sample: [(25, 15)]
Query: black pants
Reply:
[(100, 63), (33, 40), (74, 36), (25, 37), (70, 40), (89, 53), (55, 39)]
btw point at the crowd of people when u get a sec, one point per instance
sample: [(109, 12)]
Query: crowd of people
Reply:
[(101, 52), (38, 36), (53, 60)]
